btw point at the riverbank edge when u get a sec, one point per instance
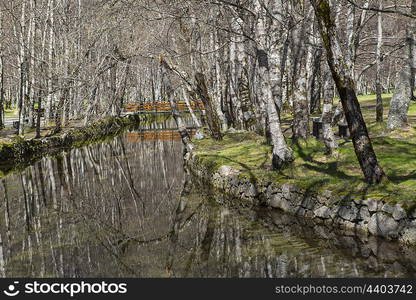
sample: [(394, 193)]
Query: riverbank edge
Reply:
[(352, 216), (24, 151)]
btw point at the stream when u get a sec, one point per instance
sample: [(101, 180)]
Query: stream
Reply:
[(117, 209)]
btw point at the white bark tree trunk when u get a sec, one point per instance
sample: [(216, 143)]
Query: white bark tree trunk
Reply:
[(22, 69), (379, 59), (399, 105), (328, 134), (281, 154), (50, 96)]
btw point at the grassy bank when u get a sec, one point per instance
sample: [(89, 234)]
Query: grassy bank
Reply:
[(16, 153), (314, 170)]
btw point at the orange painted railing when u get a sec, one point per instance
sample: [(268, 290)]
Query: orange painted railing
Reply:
[(162, 106), (164, 135)]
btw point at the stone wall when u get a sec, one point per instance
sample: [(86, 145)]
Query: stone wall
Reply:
[(368, 217)]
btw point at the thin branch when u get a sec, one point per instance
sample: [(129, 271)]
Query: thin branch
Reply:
[(385, 10)]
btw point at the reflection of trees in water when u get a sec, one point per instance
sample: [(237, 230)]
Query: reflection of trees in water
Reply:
[(221, 243), (121, 209), (76, 214)]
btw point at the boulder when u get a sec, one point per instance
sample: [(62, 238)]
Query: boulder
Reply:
[(288, 189), (409, 234), (382, 225), (249, 190), (364, 214), (373, 204), (301, 212), (277, 201), (399, 213), (228, 171), (347, 227), (349, 213), (387, 208), (323, 212)]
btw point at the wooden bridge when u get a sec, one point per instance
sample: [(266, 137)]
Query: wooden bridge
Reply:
[(161, 107)]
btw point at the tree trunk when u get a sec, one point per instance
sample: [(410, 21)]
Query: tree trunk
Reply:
[(31, 42), (23, 70), (328, 135), (22, 100), (315, 85), (379, 59), (300, 83), (1, 91), (213, 120), (1, 75), (405, 84), (400, 101), (60, 109), (281, 154), (122, 93), (186, 138), (38, 115), (278, 51), (411, 38), (300, 108), (219, 79), (188, 104), (113, 89), (50, 96), (342, 76), (349, 31)]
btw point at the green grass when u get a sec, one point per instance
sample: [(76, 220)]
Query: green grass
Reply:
[(10, 113), (312, 169)]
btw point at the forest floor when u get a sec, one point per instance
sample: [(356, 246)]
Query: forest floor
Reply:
[(312, 169)]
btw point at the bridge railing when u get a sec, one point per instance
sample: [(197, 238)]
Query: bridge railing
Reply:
[(161, 106), (156, 135)]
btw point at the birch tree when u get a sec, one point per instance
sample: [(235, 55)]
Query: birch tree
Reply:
[(328, 135), (379, 58), (399, 105), (281, 154), (343, 78), (2, 70), (22, 69)]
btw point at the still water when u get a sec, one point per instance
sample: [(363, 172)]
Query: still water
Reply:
[(117, 209)]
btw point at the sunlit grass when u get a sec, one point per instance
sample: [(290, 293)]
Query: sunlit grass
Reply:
[(10, 113)]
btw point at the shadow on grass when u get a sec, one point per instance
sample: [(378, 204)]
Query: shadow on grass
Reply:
[(331, 169), (328, 168), (397, 179), (382, 141), (305, 156)]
